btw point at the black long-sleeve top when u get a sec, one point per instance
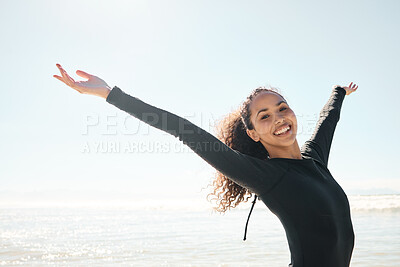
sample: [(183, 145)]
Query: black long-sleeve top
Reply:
[(302, 193)]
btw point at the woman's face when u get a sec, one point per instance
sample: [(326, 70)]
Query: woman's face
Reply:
[(275, 124)]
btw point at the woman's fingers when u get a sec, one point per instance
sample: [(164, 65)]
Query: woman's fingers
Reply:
[(63, 72), (83, 74), (67, 79), (60, 79), (351, 88)]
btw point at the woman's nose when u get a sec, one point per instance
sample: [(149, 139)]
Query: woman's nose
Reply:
[(279, 120)]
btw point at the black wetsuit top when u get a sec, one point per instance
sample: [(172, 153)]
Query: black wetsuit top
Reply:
[(302, 193)]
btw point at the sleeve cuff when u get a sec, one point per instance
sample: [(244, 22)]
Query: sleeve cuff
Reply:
[(113, 95), (339, 89)]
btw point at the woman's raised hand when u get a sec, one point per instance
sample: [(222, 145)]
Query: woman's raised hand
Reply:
[(93, 86), (349, 89)]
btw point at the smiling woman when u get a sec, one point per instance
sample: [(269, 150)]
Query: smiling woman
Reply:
[(257, 152), (274, 125)]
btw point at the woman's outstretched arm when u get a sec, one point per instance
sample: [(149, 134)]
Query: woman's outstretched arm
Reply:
[(247, 171), (318, 146)]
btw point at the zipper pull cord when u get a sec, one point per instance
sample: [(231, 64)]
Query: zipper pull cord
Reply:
[(247, 223)]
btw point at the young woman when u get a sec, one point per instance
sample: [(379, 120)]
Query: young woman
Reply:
[(260, 155)]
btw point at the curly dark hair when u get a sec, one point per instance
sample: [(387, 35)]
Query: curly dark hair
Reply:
[(231, 130)]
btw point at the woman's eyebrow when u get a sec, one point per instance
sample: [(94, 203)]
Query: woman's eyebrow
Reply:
[(265, 109)]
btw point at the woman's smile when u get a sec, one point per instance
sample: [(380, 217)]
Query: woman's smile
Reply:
[(283, 130)]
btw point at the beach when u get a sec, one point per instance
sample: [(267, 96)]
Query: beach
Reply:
[(162, 235)]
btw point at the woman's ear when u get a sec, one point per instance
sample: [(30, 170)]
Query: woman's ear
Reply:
[(253, 135)]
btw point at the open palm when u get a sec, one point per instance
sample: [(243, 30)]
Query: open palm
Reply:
[(93, 86), (351, 88)]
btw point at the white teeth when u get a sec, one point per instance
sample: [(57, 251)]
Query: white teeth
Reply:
[(282, 131)]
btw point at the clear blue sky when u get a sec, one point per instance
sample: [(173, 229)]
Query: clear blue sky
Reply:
[(197, 59)]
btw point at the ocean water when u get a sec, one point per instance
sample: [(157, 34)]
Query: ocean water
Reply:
[(188, 235)]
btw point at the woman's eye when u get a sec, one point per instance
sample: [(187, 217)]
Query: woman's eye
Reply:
[(267, 116)]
